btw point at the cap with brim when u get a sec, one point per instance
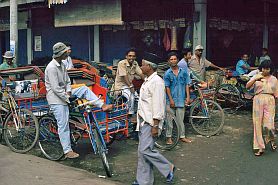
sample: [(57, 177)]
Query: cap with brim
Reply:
[(199, 47), (151, 57), (8, 54), (59, 49)]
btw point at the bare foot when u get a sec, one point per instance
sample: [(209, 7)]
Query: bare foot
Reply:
[(106, 107), (186, 140), (169, 141), (71, 155)]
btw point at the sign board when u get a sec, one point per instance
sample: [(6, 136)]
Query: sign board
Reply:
[(88, 12), (38, 43), (12, 46)]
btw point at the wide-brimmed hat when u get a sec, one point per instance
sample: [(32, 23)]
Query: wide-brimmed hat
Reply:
[(8, 54), (199, 47), (59, 49)]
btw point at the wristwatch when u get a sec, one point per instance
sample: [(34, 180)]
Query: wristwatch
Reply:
[(155, 126)]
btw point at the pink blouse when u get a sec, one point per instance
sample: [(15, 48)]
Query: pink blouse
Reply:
[(266, 86)]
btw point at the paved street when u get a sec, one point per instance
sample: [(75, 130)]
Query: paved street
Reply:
[(22, 169), (226, 159)]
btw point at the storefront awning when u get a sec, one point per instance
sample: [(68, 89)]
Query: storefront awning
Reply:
[(145, 10), (6, 3), (89, 12), (50, 2)]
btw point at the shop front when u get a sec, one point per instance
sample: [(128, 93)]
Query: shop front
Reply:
[(239, 27), (156, 27)]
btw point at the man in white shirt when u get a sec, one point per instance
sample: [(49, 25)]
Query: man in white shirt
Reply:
[(150, 115), (68, 61), (83, 91)]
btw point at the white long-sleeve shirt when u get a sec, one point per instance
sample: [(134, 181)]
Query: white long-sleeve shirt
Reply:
[(57, 83), (152, 101)]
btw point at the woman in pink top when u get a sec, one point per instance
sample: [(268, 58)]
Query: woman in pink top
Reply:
[(266, 89)]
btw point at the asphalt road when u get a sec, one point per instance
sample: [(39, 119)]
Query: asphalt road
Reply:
[(226, 159)]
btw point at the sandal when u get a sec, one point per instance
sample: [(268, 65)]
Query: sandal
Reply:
[(273, 145), (259, 153)]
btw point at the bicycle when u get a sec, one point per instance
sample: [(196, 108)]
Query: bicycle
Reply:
[(20, 127), (205, 115), (233, 95), (169, 122), (160, 140), (49, 142)]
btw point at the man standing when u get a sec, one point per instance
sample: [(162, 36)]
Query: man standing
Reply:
[(265, 55), (68, 61), (198, 64), (127, 69), (177, 89), (187, 55), (8, 61), (242, 66), (150, 115), (58, 89)]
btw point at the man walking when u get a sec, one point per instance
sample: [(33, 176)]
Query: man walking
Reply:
[(177, 88), (58, 89), (150, 115)]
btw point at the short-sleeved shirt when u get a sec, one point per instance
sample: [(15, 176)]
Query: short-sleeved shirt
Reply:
[(263, 58), (239, 67), (68, 63), (177, 85), (124, 68), (5, 66), (199, 67), (183, 64)]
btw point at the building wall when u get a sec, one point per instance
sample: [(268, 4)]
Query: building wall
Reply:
[(113, 45), (22, 46), (77, 36)]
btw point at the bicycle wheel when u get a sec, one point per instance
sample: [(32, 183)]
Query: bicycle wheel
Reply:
[(206, 118), (170, 123), (49, 141), (101, 150), (228, 96), (23, 136)]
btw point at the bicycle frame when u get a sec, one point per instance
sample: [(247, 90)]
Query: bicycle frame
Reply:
[(200, 97), (91, 123), (12, 108)]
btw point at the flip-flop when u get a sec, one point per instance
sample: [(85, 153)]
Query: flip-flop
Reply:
[(258, 153), (273, 145)]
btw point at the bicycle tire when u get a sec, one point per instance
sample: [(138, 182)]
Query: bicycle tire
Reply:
[(102, 152), (21, 140), (160, 141), (207, 125), (229, 97), (49, 141)]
